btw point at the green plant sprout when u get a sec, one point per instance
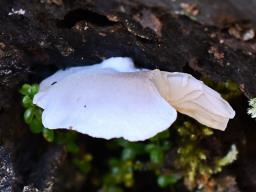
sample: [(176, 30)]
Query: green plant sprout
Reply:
[(229, 158), (33, 114), (252, 108)]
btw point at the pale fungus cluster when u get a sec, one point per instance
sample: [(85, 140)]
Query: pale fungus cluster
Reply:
[(114, 99)]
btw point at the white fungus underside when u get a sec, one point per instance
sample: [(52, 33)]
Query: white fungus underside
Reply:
[(199, 101)]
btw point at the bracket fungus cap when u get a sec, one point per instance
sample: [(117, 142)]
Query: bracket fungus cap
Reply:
[(114, 99)]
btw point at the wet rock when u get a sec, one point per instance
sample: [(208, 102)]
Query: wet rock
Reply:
[(7, 174)]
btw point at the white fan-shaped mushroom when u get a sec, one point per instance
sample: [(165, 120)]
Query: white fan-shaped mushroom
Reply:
[(107, 105), (114, 99)]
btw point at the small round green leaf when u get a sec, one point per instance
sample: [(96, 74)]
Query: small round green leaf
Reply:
[(157, 156), (27, 101), (48, 134), (28, 115), (166, 180), (36, 126), (72, 147), (34, 89), (25, 89), (128, 153)]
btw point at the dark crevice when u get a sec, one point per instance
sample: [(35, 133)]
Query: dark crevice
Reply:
[(188, 69), (72, 17)]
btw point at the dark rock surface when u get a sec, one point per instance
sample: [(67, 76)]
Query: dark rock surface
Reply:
[(7, 174)]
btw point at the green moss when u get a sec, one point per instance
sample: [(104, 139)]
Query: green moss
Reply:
[(192, 156)]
